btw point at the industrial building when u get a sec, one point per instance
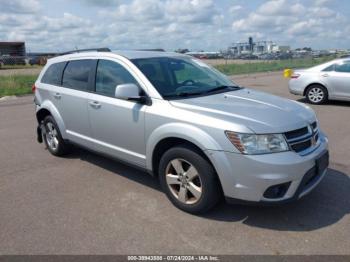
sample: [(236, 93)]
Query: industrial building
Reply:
[(256, 48), (12, 49), (12, 53)]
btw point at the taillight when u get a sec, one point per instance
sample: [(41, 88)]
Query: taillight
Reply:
[(33, 88), (295, 76)]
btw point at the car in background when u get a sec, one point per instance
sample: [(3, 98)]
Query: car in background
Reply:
[(329, 81), (38, 60), (35, 60), (248, 57)]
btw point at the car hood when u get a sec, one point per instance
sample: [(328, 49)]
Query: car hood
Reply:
[(258, 111)]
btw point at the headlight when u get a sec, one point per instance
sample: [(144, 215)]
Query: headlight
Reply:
[(252, 144)]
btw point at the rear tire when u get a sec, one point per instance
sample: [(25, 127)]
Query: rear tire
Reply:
[(316, 94), (189, 180), (53, 138)]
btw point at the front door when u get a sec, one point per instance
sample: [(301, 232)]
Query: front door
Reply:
[(117, 125)]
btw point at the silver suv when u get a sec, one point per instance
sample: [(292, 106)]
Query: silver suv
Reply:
[(184, 122)]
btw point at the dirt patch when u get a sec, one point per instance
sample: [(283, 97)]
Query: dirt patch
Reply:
[(21, 71)]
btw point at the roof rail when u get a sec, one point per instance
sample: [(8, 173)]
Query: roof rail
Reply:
[(103, 49), (154, 49)]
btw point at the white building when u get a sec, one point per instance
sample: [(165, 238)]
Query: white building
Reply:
[(257, 48), (281, 48)]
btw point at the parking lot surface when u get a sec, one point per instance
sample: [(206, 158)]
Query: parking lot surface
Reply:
[(88, 204)]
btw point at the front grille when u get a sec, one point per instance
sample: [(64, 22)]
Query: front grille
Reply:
[(298, 147), (303, 139), (296, 133)]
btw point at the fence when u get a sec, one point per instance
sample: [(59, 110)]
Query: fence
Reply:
[(21, 61)]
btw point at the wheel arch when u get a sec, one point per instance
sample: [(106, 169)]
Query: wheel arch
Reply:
[(47, 108), (313, 84), (41, 114), (170, 142), (165, 137)]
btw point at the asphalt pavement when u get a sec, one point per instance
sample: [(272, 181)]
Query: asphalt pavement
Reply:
[(88, 204)]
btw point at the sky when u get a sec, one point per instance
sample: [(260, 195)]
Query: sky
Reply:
[(61, 25)]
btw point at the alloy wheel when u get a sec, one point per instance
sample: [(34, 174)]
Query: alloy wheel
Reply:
[(316, 95), (184, 181), (51, 136)]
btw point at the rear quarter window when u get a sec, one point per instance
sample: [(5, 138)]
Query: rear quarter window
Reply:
[(53, 74)]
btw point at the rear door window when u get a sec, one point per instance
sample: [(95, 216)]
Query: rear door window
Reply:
[(77, 74), (53, 74), (343, 68), (329, 69)]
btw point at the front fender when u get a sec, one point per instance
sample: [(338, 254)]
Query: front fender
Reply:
[(184, 131), (48, 105)]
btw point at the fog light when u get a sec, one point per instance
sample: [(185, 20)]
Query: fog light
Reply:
[(277, 191)]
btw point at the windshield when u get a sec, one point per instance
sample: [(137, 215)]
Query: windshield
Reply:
[(182, 77)]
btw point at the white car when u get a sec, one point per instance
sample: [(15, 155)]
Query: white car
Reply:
[(329, 81)]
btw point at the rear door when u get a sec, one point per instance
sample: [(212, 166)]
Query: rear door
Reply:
[(337, 79), (77, 82), (118, 126), (342, 80), (51, 84)]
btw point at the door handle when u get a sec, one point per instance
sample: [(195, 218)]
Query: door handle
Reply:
[(57, 96), (95, 104), (325, 75)]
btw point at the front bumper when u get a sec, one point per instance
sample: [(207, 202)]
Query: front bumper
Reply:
[(248, 177)]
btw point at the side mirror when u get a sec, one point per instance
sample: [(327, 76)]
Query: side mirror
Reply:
[(130, 92)]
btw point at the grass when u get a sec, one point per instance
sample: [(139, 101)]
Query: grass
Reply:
[(6, 67), (22, 84), (257, 67), (16, 84)]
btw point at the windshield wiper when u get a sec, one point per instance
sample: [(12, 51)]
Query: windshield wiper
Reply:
[(189, 93), (183, 94), (219, 88)]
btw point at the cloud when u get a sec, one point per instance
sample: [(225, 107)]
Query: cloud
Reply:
[(281, 8), (321, 2), (293, 22), (138, 10), (322, 12), (172, 24), (20, 6), (235, 9), (191, 11), (150, 11), (102, 3)]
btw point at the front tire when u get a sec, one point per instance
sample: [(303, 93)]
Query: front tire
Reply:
[(53, 139), (189, 180), (316, 94)]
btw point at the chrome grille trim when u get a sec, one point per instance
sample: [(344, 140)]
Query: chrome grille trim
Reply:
[(300, 144), (301, 139)]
